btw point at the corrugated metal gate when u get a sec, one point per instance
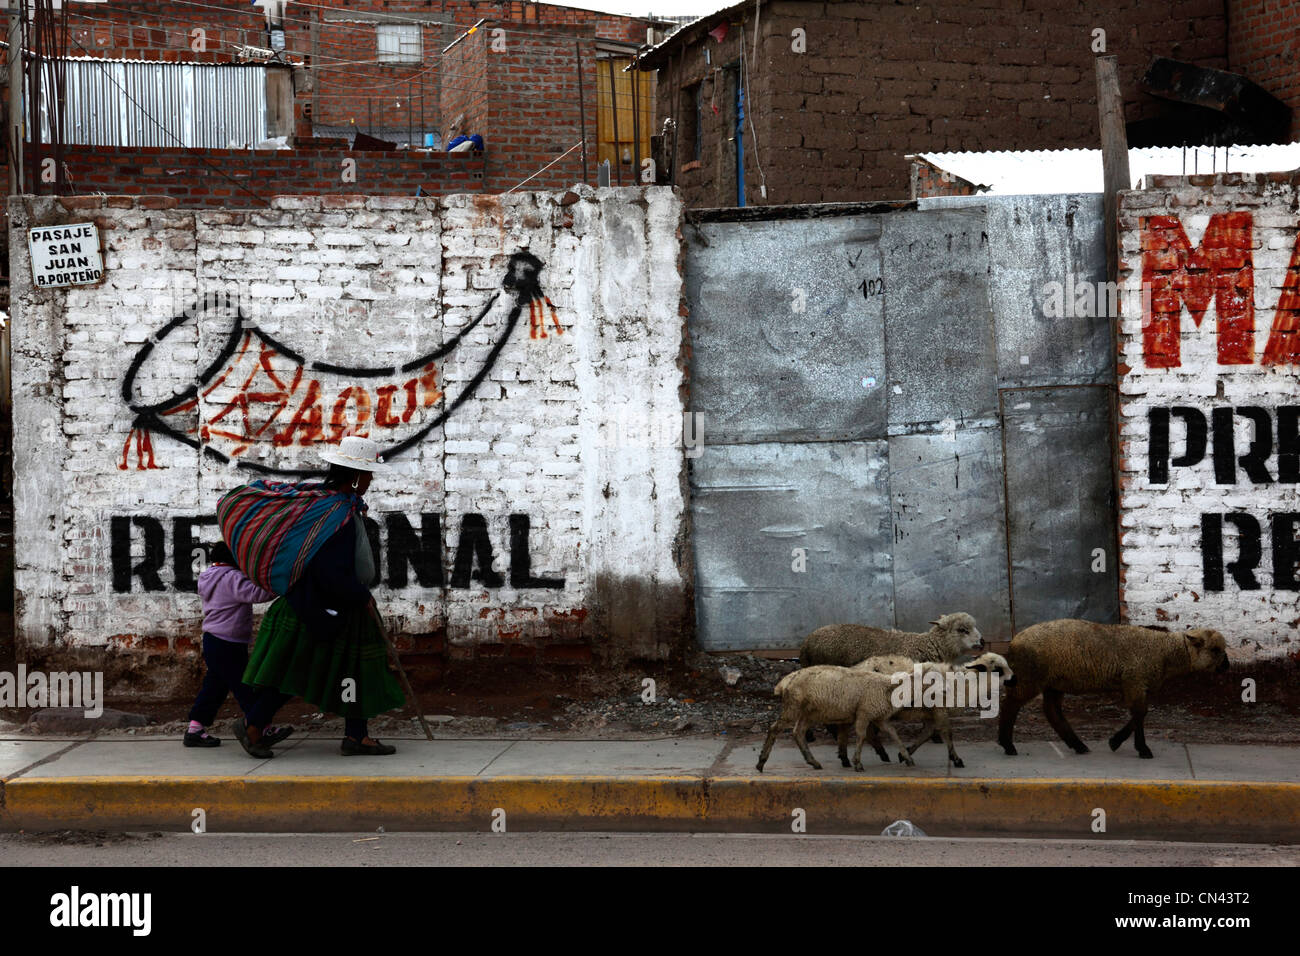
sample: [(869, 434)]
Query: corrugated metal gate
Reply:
[(892, 427), (146, 103)]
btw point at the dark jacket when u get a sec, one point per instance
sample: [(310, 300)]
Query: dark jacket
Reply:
[(329, 583)]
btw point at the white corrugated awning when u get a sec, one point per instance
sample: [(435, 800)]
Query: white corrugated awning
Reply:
[(1026, 172)]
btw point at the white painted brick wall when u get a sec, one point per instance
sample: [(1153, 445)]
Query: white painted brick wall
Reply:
[(354, 284), (1162, 553)]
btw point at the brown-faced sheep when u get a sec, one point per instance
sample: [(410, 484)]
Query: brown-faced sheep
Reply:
[(846, 644), (934, 717), (1056, 658), (837, 695)]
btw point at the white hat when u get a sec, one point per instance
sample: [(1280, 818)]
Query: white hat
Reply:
[(357, 453)]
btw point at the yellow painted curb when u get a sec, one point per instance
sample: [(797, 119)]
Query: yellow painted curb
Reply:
[(1178, 809)]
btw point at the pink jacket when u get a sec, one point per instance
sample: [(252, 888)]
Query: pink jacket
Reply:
[(228, 599)]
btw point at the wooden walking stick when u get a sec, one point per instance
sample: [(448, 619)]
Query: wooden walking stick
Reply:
[(392, 649)]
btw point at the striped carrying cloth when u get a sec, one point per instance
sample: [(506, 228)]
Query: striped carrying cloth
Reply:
[(274, 528)]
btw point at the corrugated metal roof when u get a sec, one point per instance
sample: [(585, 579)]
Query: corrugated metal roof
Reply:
[(1026, 172), (650, 59)]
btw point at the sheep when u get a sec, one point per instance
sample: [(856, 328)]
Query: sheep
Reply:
[(1062, 657), (934, 717), (838, 695), (951, 636), (846, 644)]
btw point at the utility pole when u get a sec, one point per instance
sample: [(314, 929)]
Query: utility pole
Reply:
[(16, 114)]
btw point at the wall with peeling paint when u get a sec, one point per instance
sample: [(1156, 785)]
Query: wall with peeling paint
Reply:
[(1210, 405), (224, 346)]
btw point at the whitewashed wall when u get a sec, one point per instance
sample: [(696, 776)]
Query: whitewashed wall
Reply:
[(357, 282), (1210, 540)]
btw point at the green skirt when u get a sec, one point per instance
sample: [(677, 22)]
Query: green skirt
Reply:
[(288, 659)]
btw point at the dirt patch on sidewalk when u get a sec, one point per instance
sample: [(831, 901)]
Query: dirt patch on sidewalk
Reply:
[(709, 694)]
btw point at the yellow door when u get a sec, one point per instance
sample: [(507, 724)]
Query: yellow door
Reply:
[(629, 112)]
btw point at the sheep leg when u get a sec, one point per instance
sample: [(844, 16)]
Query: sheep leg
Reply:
[(842, 741), (1121, 735), (861, 726), (938, 720), (946, 733), (1137, 719), (1140, 735), (929, 731), (1010, 707), (888, 727), (800, 725), (874, 739), (775, 729), (1052, 710)]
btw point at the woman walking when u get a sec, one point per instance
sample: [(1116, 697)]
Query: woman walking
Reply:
[(321, 641)]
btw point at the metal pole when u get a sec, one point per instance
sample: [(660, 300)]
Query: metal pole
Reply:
[(677, 126), (582, 105), (636, 127), (15, 102), (410, 124), (613, 105), (34, 103)]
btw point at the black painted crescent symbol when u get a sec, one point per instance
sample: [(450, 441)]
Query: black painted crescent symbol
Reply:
[(521, 281)]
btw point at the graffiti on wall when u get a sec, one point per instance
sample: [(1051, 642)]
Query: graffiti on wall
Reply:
[(1220, 271), (258, 392), (144, 555)]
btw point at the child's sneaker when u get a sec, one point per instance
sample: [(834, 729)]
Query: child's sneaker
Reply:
[(201, 739)]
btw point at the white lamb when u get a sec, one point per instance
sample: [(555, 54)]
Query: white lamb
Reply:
[(939, 718), (826, 693)]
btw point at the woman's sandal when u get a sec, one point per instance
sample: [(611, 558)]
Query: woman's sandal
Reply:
[(259, 749), (272, 735), (358, 748)]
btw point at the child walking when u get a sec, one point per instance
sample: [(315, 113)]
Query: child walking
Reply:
[(228, 598)]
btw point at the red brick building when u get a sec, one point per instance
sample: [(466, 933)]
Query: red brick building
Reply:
[(336, 68), (837, 94)]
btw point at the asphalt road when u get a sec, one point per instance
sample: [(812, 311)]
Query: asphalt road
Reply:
[(616, 849)]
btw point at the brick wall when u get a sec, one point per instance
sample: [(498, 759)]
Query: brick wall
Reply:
[(533, 110), (345, 90), (1210, 410), (511, 529), (928, 180), (467, 99), (879, 81), (213, 178), (1264, 44)]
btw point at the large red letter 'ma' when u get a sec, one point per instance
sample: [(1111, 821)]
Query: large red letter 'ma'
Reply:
[(1219, 268), (1283, 346)]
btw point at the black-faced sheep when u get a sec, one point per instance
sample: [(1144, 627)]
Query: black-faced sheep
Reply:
[(846, 644), (1056, 658), (937, 717), (835, 695)]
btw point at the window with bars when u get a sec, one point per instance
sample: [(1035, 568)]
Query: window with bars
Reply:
[(399, 43)]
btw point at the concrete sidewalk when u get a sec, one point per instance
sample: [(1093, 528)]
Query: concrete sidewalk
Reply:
[(1215, 792)]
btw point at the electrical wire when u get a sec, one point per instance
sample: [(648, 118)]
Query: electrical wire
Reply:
[(545, 168), (749, 111)]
